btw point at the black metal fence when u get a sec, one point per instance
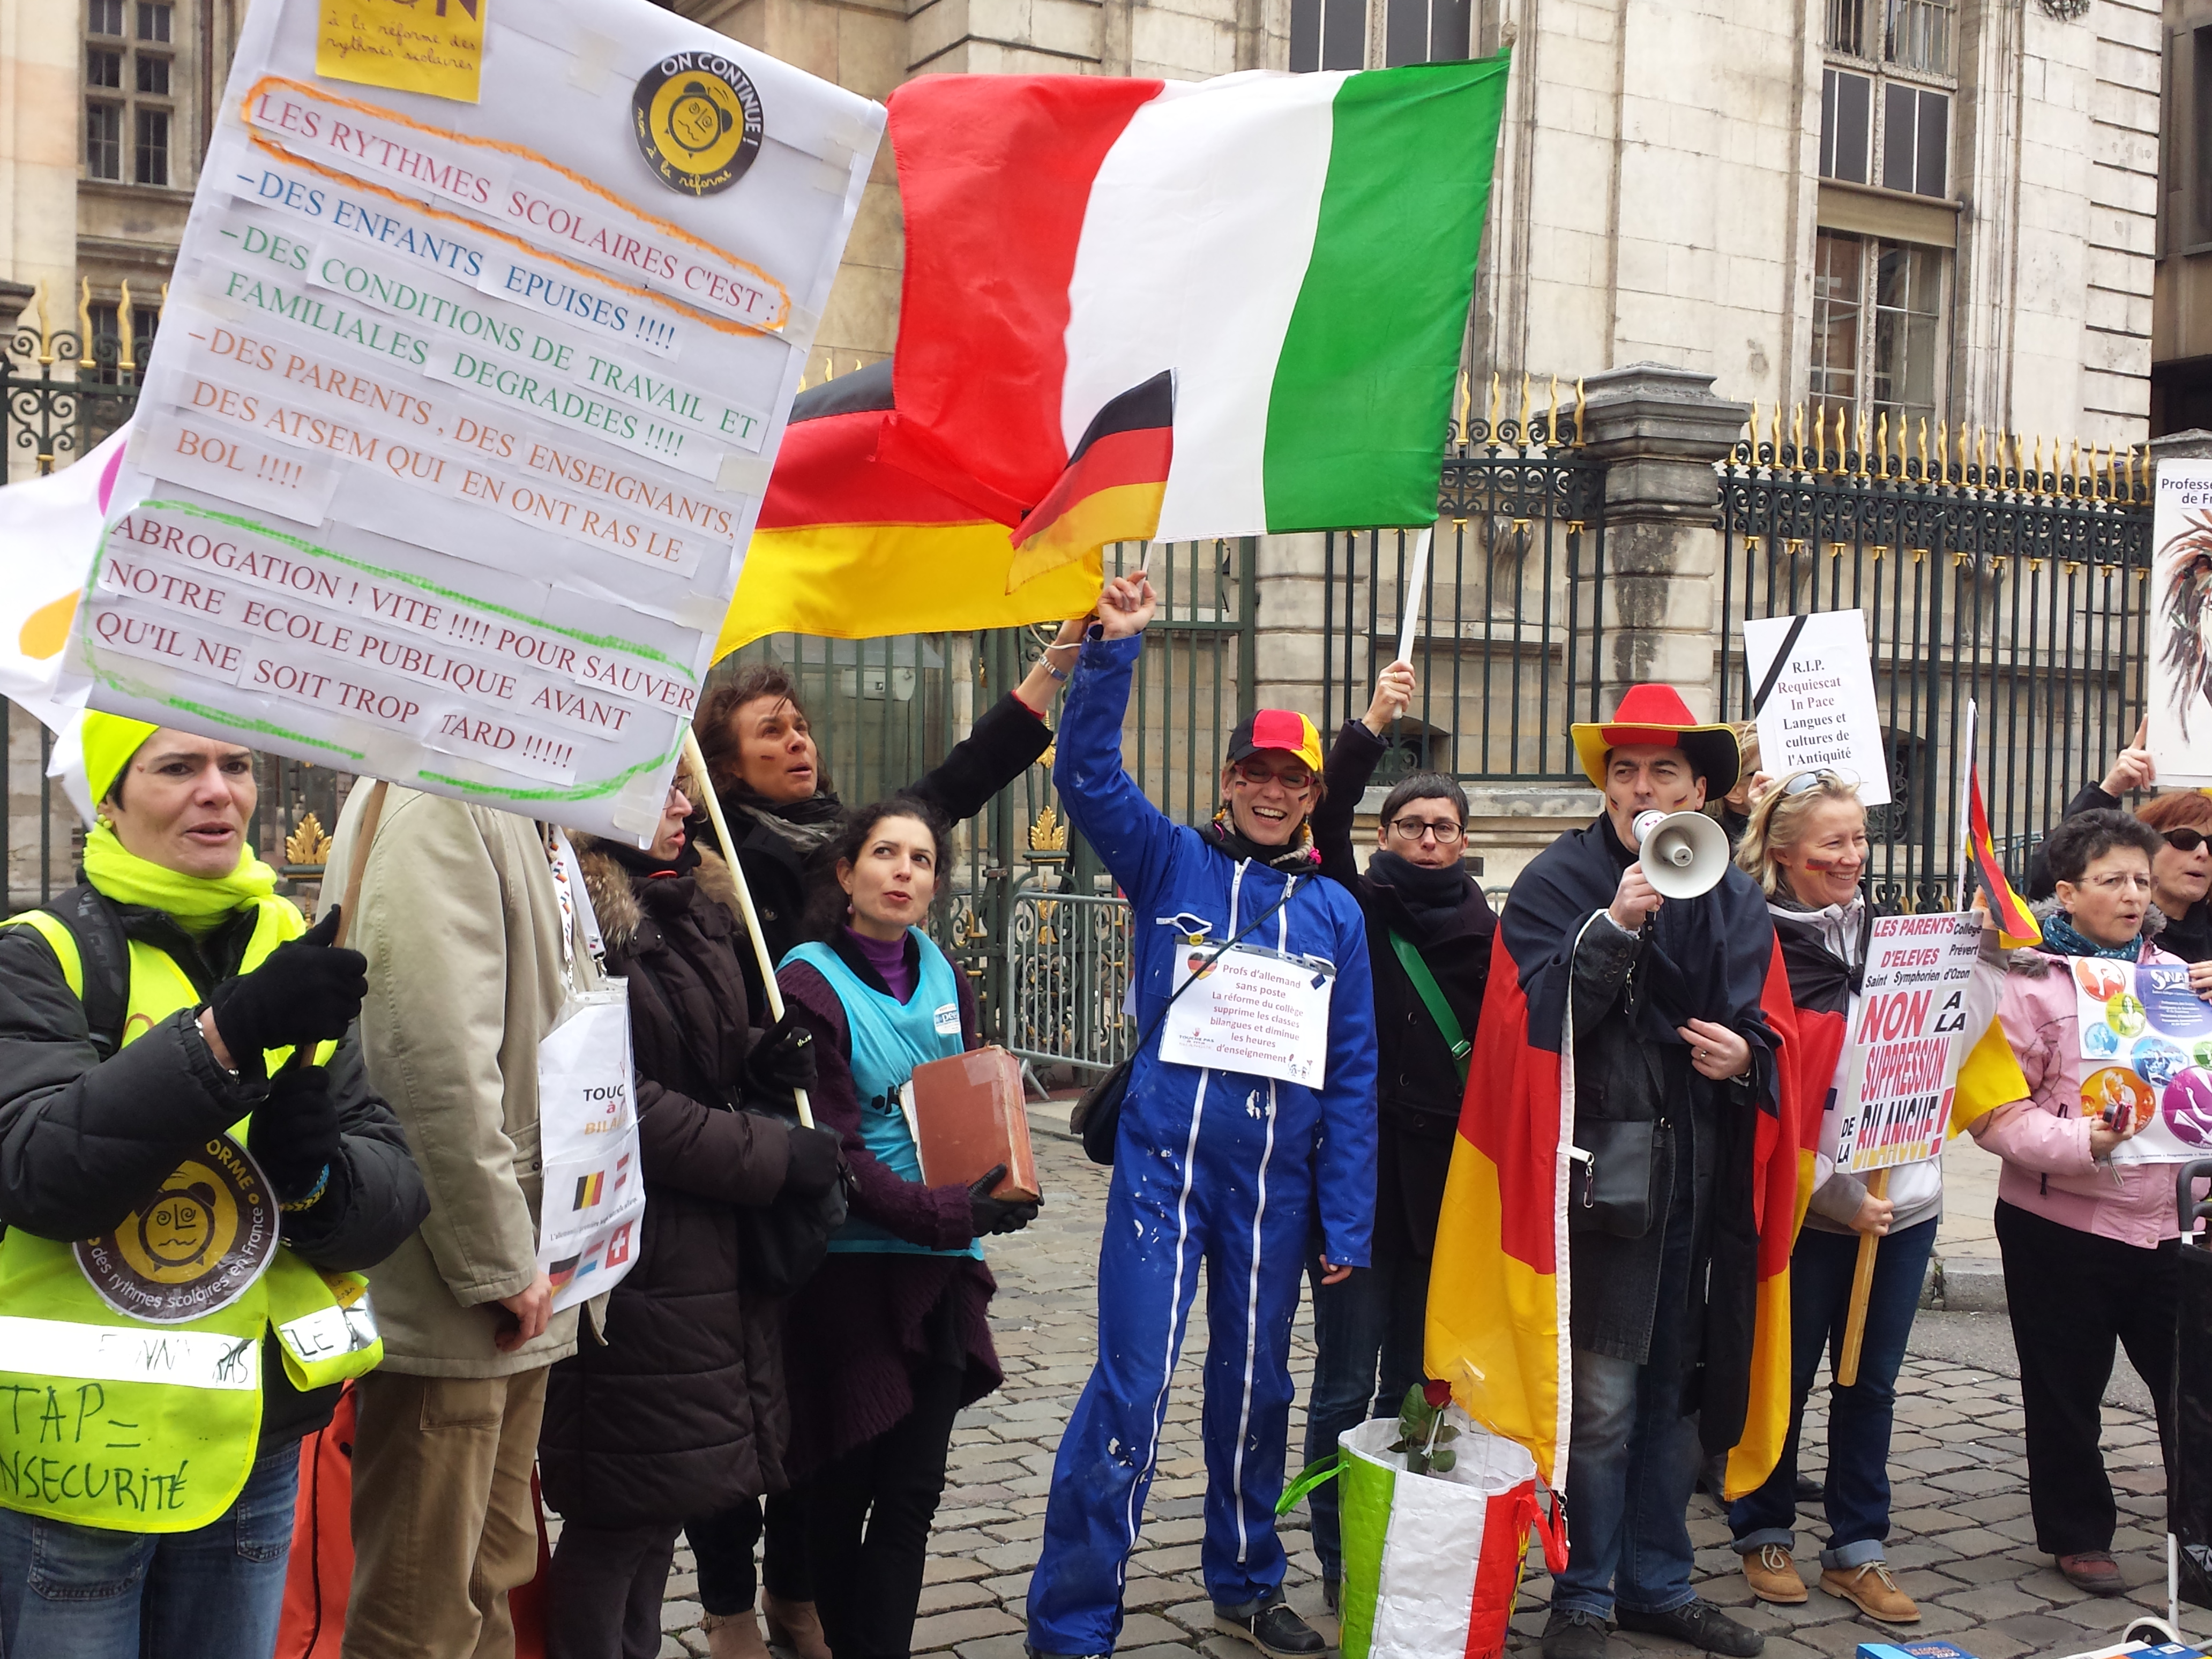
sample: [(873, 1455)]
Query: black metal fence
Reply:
[(1984, 575), (1514, 606)]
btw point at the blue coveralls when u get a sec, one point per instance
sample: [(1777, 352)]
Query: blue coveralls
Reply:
[(1210, 1165)]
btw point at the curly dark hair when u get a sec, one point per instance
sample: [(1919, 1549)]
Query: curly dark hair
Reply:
[(716, 721), (2080, 840), (826, 903)]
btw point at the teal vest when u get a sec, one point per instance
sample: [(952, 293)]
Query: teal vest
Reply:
[(890, 1039)]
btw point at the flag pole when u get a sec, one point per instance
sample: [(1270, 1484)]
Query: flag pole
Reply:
[(774, 992), (1847, 1362), (1413, 594)]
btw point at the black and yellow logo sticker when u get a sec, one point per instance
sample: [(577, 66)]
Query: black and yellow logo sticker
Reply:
[(196, 1246), (698, 121)]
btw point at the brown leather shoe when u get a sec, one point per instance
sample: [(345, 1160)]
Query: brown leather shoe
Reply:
[(795, 1627), (1873, 1591), (733, 1636), (1773, 1575), (2093, 1570)]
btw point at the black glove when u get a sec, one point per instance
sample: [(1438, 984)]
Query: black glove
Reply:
[(783, 1059), (307, 990), (294, 1132), (987, 1214), (817, 1154)]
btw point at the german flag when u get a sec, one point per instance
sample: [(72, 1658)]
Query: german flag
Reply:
[(851, 546), (1112, 488), (2016, 924), (1498, 1325)]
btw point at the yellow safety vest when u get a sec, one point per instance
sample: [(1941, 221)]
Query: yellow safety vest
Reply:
[(123, 1423)]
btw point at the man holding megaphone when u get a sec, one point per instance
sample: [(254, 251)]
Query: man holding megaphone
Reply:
[(1641, 951)]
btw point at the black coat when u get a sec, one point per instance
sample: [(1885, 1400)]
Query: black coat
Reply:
[(1005, 742), (1417, 1086), (86, 1141), (2188, 935), (680, 1411)]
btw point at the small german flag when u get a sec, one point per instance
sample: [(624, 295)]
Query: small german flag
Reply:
[(561, 1271), (2016, 924), (1111, 489)]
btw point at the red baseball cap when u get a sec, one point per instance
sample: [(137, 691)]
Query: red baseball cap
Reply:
[(1285, 729)]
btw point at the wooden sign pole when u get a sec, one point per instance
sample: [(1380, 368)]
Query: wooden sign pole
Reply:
[(1847, 1362)]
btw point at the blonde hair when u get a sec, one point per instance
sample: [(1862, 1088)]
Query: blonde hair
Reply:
[(1777, 823), (1746, 743)]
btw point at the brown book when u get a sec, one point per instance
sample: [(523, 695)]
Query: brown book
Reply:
[(968, 1116)]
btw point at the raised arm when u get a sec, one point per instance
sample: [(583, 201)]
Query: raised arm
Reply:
[(1133, 838), (1358, 750)]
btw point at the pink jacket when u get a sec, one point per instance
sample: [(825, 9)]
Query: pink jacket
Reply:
[(2044, 1140)]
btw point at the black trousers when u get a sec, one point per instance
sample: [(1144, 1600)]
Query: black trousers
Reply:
[(605, 1586), (722, 1546), (868, 1515), (2073, 1295)]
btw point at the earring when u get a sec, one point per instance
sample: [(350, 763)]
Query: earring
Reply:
[(103, 820)]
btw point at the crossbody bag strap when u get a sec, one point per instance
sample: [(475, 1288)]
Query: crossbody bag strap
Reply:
[(1219, 951), (1432, 998)]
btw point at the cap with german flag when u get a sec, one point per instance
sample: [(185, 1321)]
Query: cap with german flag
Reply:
[(1276, 728)]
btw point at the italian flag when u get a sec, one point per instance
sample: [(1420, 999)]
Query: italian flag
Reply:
[(1296, 252)]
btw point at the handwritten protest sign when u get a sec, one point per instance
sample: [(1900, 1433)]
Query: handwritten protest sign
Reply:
[(446, 466), (2178, 662), (1812, 690), (1908, 1037), (2150, 1039), (1251, 1011)]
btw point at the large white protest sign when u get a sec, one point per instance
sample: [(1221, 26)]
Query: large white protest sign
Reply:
[(1812, 691), (2146, 1045), (1909, 1035), (462, 411), (2179, 660)]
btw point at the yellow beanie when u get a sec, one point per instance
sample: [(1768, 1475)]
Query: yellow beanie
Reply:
[(109, 742)]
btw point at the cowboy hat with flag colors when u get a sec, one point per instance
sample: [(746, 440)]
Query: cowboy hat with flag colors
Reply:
[(1657, 714)]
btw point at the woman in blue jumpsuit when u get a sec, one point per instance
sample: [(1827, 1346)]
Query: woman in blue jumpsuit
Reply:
[(1230, 1168)]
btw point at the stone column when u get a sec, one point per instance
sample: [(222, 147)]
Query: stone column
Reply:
[(1659, 430), (2194, 445)]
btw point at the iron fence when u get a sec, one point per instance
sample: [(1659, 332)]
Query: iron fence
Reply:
[(1988, 577), (1513, 611)]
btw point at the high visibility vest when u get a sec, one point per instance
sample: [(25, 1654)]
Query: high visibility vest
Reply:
[(110, 1421)]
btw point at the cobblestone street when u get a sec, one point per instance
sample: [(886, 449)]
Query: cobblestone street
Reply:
[(1962, 1545)]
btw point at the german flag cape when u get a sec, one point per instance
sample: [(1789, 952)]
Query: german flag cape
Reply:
[(1500, 1325), (1821, 990)]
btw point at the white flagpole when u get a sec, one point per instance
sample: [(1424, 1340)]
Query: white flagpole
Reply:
[(1414, 589)]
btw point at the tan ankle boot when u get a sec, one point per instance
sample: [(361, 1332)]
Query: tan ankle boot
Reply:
[(734, 1635), (795, 1626)]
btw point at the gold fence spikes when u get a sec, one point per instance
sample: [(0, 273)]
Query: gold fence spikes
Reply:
[(1981, 449), (1459, 413), (1924, 446), (1797, 430), (165, 301), (1776, 425), (1865, 445), (1497, 403), (1552, 421), (125, 362), (1581, 431), (84, 322), (2038, 460), (1524, 405), (46, 323), (1753, 424), (1881, 442)]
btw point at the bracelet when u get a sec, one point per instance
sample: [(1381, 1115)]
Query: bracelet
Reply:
[(1056, 673), (322, 1184)]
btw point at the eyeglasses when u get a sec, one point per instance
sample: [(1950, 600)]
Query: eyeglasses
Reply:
[(1446, 835), (2118, 883), (1292, 778), (2185, 841)]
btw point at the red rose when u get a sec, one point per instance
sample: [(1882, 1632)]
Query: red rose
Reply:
[(1438, 1395)]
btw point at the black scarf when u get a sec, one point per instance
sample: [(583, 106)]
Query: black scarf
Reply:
[(802, 825), (1432, 898), (1297, 859)]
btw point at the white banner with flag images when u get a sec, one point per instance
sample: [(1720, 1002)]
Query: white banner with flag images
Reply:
[(594, 1193), (470, 380), (1909, 1032)]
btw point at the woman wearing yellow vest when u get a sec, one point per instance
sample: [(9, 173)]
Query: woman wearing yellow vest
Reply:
[(187, 1210)]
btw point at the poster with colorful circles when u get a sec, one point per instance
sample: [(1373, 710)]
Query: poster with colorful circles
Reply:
[(2150, 1038)]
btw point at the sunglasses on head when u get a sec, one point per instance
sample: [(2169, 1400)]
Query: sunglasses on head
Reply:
[(2185, 841), (1806, 780)]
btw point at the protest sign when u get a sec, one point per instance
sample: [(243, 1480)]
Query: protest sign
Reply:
[(2178, 664), (446, 466), (1812, 691), (2150, 1038), (594, 1197), (1908, 1037), (1251, 1011)]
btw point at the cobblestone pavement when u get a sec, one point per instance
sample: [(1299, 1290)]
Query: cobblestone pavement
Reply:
[(1961, 1542)]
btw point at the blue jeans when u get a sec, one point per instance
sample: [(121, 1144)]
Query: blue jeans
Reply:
[(96, 1594), (1370, 1324), (1632, 1458), (1821, 1271)]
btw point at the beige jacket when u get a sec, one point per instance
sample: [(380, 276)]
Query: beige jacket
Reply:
[(461, 923)]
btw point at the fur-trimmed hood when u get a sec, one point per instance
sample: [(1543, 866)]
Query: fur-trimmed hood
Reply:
[(614, 890)]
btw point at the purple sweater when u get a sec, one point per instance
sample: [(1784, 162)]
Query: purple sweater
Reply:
[(854, 1333)]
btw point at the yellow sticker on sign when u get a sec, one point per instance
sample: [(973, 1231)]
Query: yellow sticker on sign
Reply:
[(435, 47)]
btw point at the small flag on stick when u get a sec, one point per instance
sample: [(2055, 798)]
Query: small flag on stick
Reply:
[(2016, 924)]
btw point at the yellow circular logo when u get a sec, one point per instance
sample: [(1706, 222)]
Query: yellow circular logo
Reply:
[(195, 1247), (698, 121)]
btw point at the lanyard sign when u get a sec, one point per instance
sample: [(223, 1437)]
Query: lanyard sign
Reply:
[(594, 1193), (483, 332), (1908, 1037), (1250, 1011), (2146, 1041)]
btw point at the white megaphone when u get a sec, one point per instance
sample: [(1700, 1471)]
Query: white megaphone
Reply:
[(1683, 853)]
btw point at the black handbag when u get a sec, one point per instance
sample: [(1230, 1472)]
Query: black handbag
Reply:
[(1617, 1176), (1097, 1117), (781, 1242)]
